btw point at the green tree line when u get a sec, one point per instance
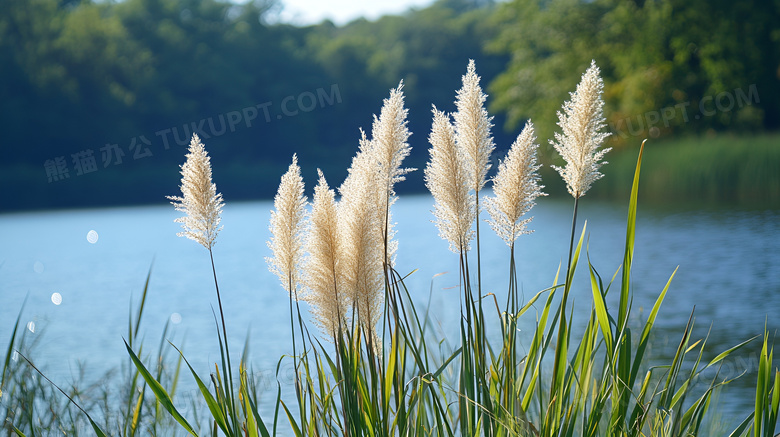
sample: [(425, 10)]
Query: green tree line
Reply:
[(671, 60), (98, 99)]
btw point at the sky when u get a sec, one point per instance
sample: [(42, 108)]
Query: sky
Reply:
[(303, 12)]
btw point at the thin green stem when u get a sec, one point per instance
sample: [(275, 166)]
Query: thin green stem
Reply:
[(298, 386), (559, 349), (481, 338), (466, 385), (571, 242), (292, 320), (229, 388), (479, 263)]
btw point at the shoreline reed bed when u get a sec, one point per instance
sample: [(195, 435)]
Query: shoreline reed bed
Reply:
[(373, 366), (701, 171)]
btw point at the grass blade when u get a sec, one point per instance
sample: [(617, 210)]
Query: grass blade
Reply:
[(645, 337), (212, 403), (159, 392), (99, 432), (738, 431), (294, 425), (600, 307), (630, 234), (11, 346)]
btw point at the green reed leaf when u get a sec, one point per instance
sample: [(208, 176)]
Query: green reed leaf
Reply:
[(159, 392)]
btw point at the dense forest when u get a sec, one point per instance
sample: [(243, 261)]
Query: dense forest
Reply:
[(99, 98)]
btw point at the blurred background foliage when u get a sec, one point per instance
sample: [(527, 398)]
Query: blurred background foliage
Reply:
[(130, 80), (653, 55)]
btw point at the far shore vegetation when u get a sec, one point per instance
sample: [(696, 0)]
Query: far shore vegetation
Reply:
[(100, 98), (708, 170)]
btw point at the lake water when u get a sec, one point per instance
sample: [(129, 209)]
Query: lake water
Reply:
[(82, 269)]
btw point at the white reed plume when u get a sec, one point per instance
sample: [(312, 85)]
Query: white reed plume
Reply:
[(287, 223), (200, 202), (389, 135), (581, 122), (360, 224), (447, 180), (472, 128), (325, 281), (516, 187)]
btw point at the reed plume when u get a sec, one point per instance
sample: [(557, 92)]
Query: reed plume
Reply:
[(286, 227), (325, 280), (516, 187), (472, 128), (447, 180), (364, 211), (578, 142), (200, 202), (360, 227), (389, 135)]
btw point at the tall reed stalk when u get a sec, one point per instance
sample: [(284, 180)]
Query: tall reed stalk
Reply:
[(286, 244), (475, 143)]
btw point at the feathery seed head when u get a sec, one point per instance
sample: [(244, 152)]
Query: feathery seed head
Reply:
[(578, 142), (325, 279), (363, 173), (390, 134), (447, 180), (364, 211), (200, 202), (516, 187), (360, 223), (286, 227), (472, 128)]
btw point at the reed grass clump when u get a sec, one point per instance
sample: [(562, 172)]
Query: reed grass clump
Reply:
[(378, 369)]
